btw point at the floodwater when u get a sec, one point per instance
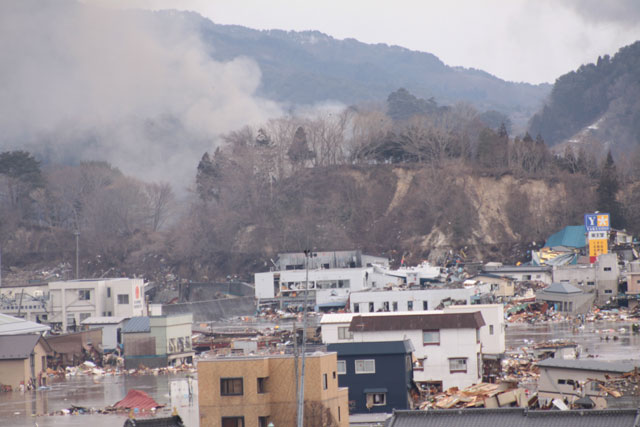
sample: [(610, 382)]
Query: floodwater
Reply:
[(17, 409), (622, 343)]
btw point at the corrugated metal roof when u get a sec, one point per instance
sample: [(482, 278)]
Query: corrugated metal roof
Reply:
[(371, 348), (137, 399), (514, 417), (572, 236), (102, 320), (17, 346), (137, 324), (366, 323), (590, 365), (10, 325)]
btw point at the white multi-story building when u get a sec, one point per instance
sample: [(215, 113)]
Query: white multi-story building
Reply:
[(73, 301), (492, 334), (332, 276), (371, 300), (447, 344)]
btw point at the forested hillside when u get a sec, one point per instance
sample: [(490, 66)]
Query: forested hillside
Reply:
[(428, 184), (601, 99)]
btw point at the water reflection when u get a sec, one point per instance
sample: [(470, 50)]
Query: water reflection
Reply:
[(26, 409), (604, 340)]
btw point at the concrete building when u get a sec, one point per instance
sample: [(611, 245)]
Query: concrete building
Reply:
[(379, 375), (256, 391), (156, 341), (447, 345), (332, 278), (521, 273), (111, 330), (566, 298), (374, 299), (23, 361), (600, 277), (572, 379), (501, 286), (633, 278), (29, 301), (493, 332), (73, 301)]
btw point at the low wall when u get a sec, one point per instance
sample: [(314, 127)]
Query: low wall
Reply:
[(214, 309)]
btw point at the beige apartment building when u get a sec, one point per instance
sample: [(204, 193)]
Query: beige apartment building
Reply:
[(254, 391)]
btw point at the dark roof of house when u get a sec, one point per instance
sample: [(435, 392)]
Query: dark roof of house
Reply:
[(17, 346), (371, 348), (515, 417), (137, 324), (416, 321), (590, 365)]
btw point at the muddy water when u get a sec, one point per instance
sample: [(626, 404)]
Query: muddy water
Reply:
[(592, 337), (18, 409)]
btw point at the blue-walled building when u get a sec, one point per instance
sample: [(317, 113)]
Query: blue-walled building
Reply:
[(379, 374)]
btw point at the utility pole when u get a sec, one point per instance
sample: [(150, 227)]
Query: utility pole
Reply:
[(77, 234), (307, 255)]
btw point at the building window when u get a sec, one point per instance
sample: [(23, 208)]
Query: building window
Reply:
[(409, 305), (231, 387), (325, 381), (395, 306), (458, 365), (356, 308), (490, 329), (339, 417), (608, 291), (371, 307), (385, 306), (232, 421), (478, 335), (342, 367), (607, 269), (425, 305), (344, 333), (123, 299), (431, 337), (263, 421), (595, 386), (365, 366), (262, 385), (376, 399), (108, 292), (84, 294), (84, 316), (591, 283)]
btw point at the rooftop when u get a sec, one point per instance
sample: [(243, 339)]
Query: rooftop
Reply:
[(371, 348), (590, 365), (562, 288), (10, 325), (137, 324), (396, 321), (572, 236), (102, 320), (17, 346), (515, 417)]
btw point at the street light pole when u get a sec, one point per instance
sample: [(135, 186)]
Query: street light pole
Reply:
[(77, 234), (307, 255)]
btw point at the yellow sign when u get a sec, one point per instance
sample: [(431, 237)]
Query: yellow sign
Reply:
[(598, 247)]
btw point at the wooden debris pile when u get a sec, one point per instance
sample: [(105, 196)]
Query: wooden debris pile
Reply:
[(482, 395)]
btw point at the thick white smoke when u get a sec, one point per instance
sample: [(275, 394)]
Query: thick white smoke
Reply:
[(137, 89)]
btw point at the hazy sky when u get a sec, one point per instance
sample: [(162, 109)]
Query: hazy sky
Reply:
[(520, 40)]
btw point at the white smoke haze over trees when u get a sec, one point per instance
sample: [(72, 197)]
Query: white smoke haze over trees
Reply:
[(81, 82)]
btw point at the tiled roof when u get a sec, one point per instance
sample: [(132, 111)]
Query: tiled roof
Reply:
[(137, 324), (365, 323), (137, 399), (371, 348), (17, 346), (590, 365), (514, 417)]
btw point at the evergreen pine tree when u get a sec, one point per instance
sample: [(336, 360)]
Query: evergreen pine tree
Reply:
[(608, 186)]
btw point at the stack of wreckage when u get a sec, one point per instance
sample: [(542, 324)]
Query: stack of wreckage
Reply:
[(482, 395)]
